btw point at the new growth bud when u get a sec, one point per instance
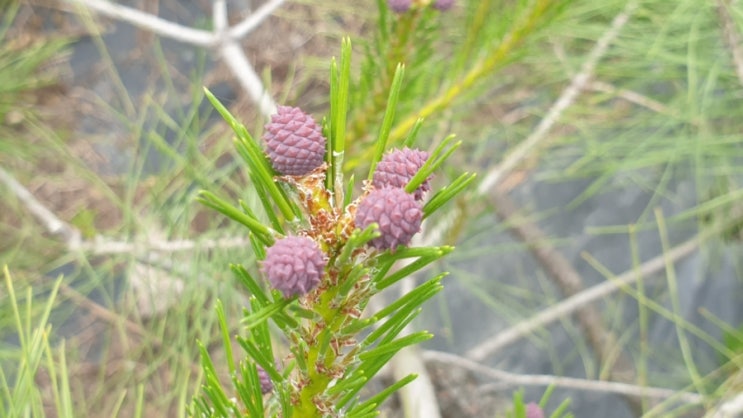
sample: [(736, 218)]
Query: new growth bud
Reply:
[(294, 265), (398, 167), (534, 411), (294, 142), (266, 384), (397, 213)]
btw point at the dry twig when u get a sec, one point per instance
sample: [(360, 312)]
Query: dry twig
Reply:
[(633, 97), (572, 304), (55, 226), (602, 340), (729, 409), (223, 38), (514, 379), (72, 237)]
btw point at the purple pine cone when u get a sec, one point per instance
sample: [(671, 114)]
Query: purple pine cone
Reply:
[(534, 411), (398, 167), (266, 384), (295, 142), (398, 214), (399, 6), (443, 5), (294, 265)]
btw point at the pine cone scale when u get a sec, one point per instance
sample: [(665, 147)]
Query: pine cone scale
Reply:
[(294, 265), (397, 214), (398, 167), (294, 142)]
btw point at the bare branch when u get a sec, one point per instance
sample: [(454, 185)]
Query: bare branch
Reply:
[(100, 311), (514, 379), (573, 303), (152, 23), (219, 16), (419, 396), (633, 97), (566, 99), (559, 270), (101, 246), (51, 222), (116, 319), (235, 58), (223, 37), (251, 22), (729, 409)]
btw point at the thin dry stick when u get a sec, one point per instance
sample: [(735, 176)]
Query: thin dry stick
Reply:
[(251, 22), (151, 23), (633, 97), (514, 379), (55, 226), (101, 312), (178, 32), (114, 319), (589, 317), (561, 272), (568, 96), (729, 409), (233, 56), (419, 396), (102, 246), (572, 304), (71, 236), (224, 38), (731, 36), (638, 99)]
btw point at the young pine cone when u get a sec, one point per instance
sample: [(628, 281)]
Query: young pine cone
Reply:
[(397, 213), (294, 265), (398, 167), (266, 384), (534, 411), (294, 142)]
